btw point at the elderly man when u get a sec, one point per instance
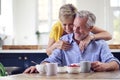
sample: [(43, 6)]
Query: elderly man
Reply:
[(96, 52)]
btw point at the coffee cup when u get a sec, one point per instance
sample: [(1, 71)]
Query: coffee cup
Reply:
[(85, 66), (41, 68), (48, 68), (51, 69)]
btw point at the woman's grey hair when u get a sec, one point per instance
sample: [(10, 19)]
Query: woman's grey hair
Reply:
[(86, 14)]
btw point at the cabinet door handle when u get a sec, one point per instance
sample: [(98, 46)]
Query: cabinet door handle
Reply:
[(25, 58), (19, 58)]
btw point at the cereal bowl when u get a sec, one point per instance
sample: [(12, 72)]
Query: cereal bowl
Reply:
[(73, 68)]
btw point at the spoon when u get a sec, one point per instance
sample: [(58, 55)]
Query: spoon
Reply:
[(34, 62)]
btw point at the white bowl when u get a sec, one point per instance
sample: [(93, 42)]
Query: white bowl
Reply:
[(73, 69), (61, 69)]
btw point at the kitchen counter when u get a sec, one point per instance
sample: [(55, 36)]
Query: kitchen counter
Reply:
[(23, 51), (113, 75), (38, 51), (115, 50)]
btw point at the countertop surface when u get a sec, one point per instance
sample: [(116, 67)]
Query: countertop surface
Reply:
[(23, 51), (115, 50), (38, 51), (113, 75)]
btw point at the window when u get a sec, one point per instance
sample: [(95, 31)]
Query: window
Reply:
[(115, 17), (48, 13)]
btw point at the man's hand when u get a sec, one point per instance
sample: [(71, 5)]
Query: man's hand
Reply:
[(98, 66), (64, 45), (31, 69)]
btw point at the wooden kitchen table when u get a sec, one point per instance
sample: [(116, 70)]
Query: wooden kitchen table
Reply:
[(114, 75)]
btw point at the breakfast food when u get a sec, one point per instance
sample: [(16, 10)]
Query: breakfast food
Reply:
[(73, 68), (74, 65)]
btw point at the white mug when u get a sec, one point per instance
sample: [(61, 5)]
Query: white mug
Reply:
[(41, 68), (51, 69), (85, 66)]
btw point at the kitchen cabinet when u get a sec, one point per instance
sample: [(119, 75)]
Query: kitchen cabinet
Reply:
[(116, 53), (21, 59)]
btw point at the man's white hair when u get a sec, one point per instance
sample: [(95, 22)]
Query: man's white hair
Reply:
[(90, 16)]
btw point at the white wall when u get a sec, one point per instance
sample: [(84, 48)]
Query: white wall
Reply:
[(6, 17), (24, 19), (6, 21), (0, 6)]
